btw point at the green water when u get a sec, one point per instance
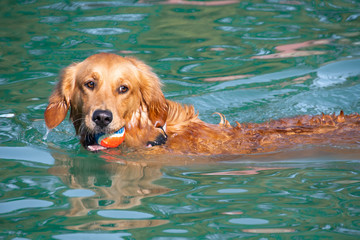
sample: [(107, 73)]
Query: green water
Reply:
[(222, 58)]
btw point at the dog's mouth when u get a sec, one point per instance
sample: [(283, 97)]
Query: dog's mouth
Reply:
[(98, 123), (89, 143)]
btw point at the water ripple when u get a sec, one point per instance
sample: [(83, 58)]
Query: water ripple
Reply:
[(78, 193), (14, 205), (124, 214), (233, 29), (249, 221), (337, 72), (246, 36), (118, 17), (53, 19), (90, 235), (104, 31), (271, 8), (73, 6), (26, 154), (241, 60)]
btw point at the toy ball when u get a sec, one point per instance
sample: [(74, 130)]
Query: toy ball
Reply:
[(112, 140)]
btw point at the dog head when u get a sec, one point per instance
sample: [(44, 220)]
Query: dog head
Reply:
[(106, 92)]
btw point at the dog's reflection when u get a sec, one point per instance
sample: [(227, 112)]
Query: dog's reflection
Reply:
[(117, 185)]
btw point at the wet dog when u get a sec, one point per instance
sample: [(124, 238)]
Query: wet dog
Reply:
[(107, 92)]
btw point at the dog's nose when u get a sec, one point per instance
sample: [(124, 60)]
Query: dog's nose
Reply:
[(102, 118)]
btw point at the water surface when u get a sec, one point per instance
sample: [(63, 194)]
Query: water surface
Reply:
[(250, 60)]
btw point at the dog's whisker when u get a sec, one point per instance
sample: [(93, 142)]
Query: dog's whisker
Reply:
[(79, 120)]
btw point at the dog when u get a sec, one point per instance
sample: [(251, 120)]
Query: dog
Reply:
[(107, 92)]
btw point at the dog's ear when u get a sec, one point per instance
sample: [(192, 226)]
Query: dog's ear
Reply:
[(152, 96), (59, 101)]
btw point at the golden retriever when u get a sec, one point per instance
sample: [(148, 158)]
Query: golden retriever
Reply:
[(106, 92)]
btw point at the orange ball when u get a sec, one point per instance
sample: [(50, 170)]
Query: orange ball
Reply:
[(112, 140)]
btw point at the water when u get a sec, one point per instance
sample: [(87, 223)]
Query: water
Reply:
[(251, 61)]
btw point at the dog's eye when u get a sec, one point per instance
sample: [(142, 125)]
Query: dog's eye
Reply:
[(123, 89), (90, 85)]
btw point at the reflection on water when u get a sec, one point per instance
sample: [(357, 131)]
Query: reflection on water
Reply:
[(250, 60), (292, 50), (98, 185), (91, 197)]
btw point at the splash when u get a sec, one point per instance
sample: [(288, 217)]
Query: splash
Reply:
[(46, 134), (336, 73)]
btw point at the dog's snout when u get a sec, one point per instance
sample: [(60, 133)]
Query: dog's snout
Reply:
[(102, 118)]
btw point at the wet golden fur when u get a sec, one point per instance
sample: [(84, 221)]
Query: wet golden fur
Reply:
[(143, 110)]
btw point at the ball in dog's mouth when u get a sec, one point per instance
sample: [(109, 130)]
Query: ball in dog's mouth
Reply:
[(102, 141), (112, 140)]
